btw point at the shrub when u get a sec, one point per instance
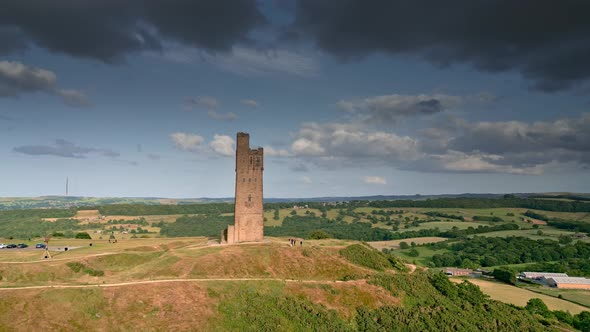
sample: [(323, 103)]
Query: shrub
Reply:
[(537, 306), (364, 256), (75, 266), (83, 235), (319, 234)]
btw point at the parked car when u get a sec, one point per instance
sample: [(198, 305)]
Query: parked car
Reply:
[(22, 245), (2, 246), (40, 246), (10, 246)]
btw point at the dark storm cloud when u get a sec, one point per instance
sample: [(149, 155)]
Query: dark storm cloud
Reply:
[(109, 29), (63, 148), (548, 42), (429, 106)]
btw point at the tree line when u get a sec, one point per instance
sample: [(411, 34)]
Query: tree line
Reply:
[(488, 203), (493, 251)]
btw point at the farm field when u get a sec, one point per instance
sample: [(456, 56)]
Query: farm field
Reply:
[(424, 254), (445, 225), (394, 244), (548, 233), (518, 296), (581, 297)]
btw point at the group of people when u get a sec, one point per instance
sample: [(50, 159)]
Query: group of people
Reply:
[(293, 242)]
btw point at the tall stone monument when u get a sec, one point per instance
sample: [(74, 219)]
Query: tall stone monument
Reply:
[(249, 219)]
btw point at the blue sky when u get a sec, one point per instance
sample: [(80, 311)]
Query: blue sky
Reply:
[(340, 109)]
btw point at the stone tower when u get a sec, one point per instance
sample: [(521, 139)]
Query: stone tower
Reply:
[(249, 220)]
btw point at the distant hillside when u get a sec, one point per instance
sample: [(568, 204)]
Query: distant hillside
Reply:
[(44, 202)]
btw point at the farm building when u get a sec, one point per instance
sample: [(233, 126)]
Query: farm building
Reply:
[(569, 282), (539, 275), (455, 272)]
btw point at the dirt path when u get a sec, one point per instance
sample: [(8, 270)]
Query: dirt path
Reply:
[(412, 267), (60, 259), (142, 282)]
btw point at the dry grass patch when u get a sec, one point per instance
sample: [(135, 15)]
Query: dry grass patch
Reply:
[(155, 307), (518, 296), (274, 261), (344, 297)]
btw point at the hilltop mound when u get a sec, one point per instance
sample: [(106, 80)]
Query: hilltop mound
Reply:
[(182, 286)]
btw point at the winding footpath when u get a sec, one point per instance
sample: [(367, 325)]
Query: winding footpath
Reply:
[(143, 282)]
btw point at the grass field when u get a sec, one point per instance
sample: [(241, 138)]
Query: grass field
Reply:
[(424, 257), (518, 296), (394, 244), (444, 225), (269, 215), (581, 297), (548, 233)]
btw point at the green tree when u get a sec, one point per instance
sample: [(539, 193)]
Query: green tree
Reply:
[(413, 252), (504, 275), (565, 239), (404, 245), (582, 321), (83, 235), (319, 234), (537, 306), (564, 316)]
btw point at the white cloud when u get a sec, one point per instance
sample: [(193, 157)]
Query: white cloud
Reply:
[(205, 102), (337, 141), (223, 145), (375, 180), (389, 109), (304, 146), (247, 61), (306, 180), (187, 142), (66, 149), (249, 102), (455, 161), (271, 152), (222, 116), (73, 98), (17, 78), (512, 147)]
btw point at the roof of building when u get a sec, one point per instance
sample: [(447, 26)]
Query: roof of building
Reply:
[(545, 274), (457, 270), (571, 280)]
